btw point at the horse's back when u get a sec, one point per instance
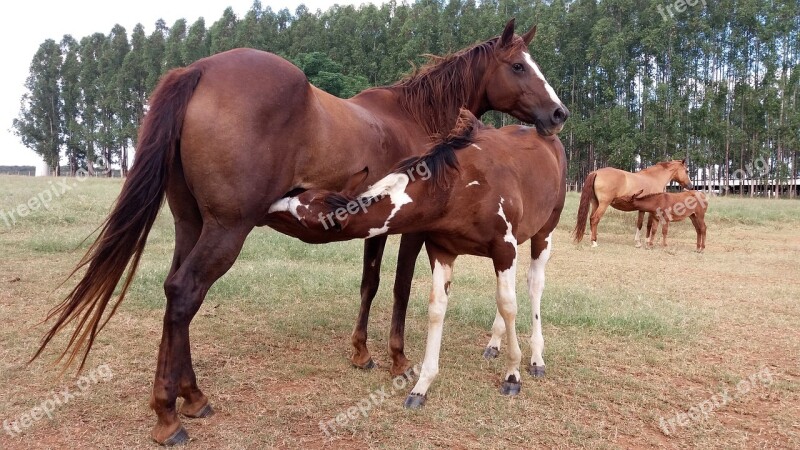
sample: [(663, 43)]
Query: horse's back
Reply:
[(256, 128)]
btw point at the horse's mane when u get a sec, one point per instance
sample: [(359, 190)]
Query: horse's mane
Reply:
[(438, 160), (662, 164), (441, 156), (434, 93)]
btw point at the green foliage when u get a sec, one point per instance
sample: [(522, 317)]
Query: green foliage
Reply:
[(717, 84)]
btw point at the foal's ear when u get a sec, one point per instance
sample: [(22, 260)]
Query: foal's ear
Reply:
[(355, 180), (636, 195), (528, 37), (508, 34)]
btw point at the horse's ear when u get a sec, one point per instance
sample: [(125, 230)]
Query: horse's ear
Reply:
[(528, 37), (508, 34), (683, 161), (636, 195), (355, 180)]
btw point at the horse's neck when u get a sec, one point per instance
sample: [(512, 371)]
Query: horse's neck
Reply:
[(660, 176)]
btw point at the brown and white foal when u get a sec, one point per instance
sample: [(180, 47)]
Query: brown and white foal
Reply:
[(480, 191), (667, 207)]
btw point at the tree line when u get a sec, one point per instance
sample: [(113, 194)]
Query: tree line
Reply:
[(645, 80)]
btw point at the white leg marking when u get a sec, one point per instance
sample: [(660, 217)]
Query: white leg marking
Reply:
[(436, 310), (535, 289), (498, 330), (507, 308), (547, 87), (594, 243)]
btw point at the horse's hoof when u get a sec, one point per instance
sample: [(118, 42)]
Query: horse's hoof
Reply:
[(415, 401), (371, 364), (594, 244), (536, 371), (510, 388), (638, 245), (491, 353), (180, 437), (205, 412)]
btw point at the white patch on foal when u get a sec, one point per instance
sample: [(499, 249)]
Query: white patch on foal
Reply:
[(393, 185), (476, 146), (509, 237), (474, 183), (289, 204), (538, 73)]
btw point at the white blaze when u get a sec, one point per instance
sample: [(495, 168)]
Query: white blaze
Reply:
[(538, 73)]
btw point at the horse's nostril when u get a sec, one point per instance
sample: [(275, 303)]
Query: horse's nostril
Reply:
[(560, 115)]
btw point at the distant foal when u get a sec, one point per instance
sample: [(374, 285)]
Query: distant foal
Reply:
[(671, 207), (605, 185), (481, 191)]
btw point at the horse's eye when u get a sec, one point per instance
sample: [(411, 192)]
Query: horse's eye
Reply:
[(517, 67)]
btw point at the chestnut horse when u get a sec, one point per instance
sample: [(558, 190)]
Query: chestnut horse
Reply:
[(605, 185), (229, 135), (670, 207), (481, 191)]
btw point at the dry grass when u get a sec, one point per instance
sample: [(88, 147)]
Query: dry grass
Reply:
[(631, 336)]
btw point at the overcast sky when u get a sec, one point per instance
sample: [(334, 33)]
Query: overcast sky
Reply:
[(25, 24)]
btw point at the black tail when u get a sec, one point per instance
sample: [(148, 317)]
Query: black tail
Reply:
[(124, 233)]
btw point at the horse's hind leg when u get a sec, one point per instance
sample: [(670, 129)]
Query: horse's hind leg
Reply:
[(597, 214), (410, 246), (370, 280), (700, 229), (212, 256)]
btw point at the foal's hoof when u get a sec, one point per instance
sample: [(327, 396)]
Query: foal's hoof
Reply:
[(204, 412), (180, 437), (594, 244), (415, 401), (371, 364), (510, 387), (536, 371), (491, 353)]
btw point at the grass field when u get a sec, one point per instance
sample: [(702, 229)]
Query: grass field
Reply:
[(637, 342)]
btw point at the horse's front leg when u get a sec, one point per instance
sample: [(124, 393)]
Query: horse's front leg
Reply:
[(370, 280), (442, 268), (410, 246), (639, 221), (505, 266)]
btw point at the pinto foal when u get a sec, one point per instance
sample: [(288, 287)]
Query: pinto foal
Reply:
[(480, 191), (670, 207)]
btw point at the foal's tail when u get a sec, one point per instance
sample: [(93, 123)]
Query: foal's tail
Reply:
[(124, 232), (587, 194)]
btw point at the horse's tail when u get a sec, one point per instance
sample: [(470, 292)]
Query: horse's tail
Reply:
[(587, 194), (124, 233)]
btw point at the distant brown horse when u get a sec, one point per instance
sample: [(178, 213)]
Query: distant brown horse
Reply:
[(670, 207), (482, 191), (605, 185), (229, 135)]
